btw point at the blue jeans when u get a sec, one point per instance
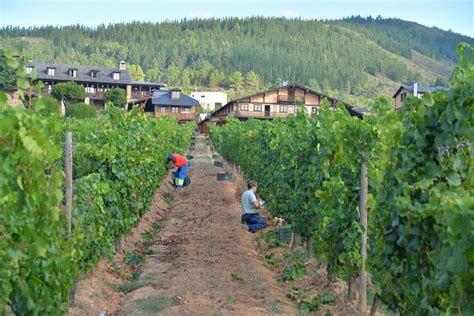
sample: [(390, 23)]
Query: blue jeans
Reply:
[(254, 221), (181, 175)]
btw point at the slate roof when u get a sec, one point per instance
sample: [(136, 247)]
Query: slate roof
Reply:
[(163, 97), (421, 89), (83, 73), (145, 83)]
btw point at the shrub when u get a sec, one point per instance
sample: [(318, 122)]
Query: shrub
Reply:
[(69, 92), (117, 96), (49, 104), (81, 111)]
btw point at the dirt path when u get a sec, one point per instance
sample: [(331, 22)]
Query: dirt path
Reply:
[(204, 261)]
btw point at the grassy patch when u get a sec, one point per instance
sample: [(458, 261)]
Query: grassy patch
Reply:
[(270, 240), (169, 201), (120, 271), (313, 303), (296, 294), (128, 287), (295, 269), (149, 305), (149, 252), (147, 236), (270, 262), (274, 305), (236, 278), (133, 258), (230, 301)]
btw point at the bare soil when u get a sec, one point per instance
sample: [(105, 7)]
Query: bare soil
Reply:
[(200, 260)]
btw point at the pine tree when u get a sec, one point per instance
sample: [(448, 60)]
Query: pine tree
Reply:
[(216, 78), (136, 72), (236, 80), (252, 80)]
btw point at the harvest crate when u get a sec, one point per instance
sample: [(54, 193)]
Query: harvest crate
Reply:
[(224, 176)]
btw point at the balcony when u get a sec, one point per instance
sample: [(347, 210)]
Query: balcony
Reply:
[(141, 94), (258, 114), (95, 95), (290, 99), (181, 116)]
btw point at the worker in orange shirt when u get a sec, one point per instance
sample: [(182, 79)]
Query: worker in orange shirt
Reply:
[(182, 163)]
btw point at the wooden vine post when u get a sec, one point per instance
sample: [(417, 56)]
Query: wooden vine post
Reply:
[(363, 248), (68, 174)]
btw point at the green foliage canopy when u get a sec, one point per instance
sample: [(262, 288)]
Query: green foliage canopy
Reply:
[(116, 96), (69, 92)]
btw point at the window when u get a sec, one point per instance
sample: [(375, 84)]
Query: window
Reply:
[(314, 110), (186, 110), (94, 73), (29, 69), (244, 107), (174, 109), (51, 71), (257, 107), (116, 75), (162, 109), (73, 72), (283, 108), (175, 94), (291, 109), (203, 96)]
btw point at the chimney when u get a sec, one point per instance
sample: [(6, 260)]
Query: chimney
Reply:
[(123, 65), (415, 89), (284, 83)]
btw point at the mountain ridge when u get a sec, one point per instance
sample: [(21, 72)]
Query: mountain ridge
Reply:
[(342, 57)]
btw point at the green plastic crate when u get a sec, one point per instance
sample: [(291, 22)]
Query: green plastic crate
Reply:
[(224, 176), (284, 233), (218, 164)]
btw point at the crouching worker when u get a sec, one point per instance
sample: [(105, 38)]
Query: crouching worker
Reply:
[(182, 163), (250, 204)]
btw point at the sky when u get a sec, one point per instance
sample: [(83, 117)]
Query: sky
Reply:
[(455, 15)]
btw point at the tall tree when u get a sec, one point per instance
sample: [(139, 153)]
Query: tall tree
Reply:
[(137, 73), (186, 77), (153, 75), (236, 80), (216, 78), (174, 75), (252, 80), (324, 50)]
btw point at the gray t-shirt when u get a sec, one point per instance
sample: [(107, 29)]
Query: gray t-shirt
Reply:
[(248, 197)]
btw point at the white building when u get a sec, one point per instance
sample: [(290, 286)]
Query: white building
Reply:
[(210, 100)]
